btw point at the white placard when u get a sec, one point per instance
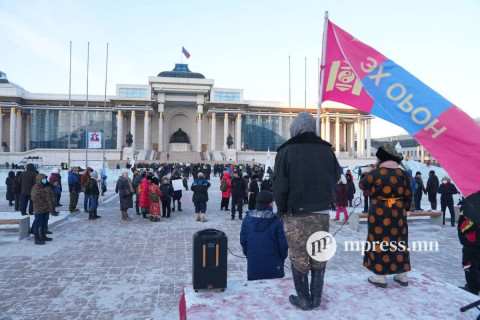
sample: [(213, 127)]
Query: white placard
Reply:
[(177, 184)]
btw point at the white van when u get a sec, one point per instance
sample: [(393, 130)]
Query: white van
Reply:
[(37, 162)]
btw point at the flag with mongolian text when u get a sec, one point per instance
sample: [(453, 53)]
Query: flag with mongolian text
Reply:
[(361, 77)]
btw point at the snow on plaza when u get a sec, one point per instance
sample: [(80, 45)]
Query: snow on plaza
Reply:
[(114, 269)]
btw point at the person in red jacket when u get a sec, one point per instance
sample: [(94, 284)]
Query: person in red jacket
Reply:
[(341, 198), (226, 194), (143, 200)]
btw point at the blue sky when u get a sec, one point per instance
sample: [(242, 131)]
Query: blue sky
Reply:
[(239, 44)]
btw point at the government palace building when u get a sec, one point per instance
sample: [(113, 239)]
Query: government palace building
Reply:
[(177, 113)]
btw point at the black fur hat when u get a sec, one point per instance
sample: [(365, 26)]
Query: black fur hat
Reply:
[(386, 152)]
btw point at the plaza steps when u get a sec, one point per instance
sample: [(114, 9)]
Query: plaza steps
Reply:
[(181, 157), (217, 156)]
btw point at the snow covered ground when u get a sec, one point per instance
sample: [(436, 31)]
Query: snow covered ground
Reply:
[(113, 269), (344, 297)]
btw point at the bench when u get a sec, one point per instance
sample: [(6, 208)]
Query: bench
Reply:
[(435, 218), (23, 226)]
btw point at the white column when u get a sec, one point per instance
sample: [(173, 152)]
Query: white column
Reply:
[(160, 131), (327, 129), (369, 139), (133, 126), (322, 128), (27, 133), (280, 126), (351, 145), (214, 132), (199, 132), (1, 129), (422, 150), (161, 109), (146, 131), (119, 130), (13, 130), (238, 124), (344, 136), (337, 134), (362, 138), (19, 131), (225, 131)]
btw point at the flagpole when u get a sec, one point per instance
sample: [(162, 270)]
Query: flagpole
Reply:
[(322, 71), (289, 94), (105, 112), (305, 84), (86, 122), (69, 104)]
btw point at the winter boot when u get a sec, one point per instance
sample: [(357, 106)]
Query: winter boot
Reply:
[(197, 217), (156, 219), (202, 217), (144, 214), (95, 215), (91, 215), (233, 217), (378, 280), (173, 208), (302, 300), (48, 231), (43, 236), (316, 287), (240, 217), (38, 240), (125, 215), (179, 206), (402, 279)]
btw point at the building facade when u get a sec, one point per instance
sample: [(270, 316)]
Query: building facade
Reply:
[(152, 113)]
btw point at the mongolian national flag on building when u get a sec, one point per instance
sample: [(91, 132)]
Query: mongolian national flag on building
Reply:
[(363, 78), (185, 52)]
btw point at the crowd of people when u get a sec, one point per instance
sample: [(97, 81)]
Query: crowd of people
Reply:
[(303, 201)]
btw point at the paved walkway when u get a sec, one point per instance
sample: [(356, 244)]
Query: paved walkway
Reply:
[(113, 269)]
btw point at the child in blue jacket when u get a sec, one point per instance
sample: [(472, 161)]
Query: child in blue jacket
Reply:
[(263, 240)]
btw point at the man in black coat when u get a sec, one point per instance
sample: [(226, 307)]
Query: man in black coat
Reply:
[(417, 197), (432, 187), (28, 181), (305, 171), (238, 192)]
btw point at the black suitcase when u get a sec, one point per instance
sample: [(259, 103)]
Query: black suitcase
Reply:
[(209, 260)]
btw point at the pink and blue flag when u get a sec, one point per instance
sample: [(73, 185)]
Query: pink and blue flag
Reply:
[(361, 77), (185, 52)]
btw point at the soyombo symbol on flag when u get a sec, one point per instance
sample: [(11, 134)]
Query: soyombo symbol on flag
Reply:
[(360, 76)]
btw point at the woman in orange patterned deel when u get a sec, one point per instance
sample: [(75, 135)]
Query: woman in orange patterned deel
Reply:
[(386, 250)]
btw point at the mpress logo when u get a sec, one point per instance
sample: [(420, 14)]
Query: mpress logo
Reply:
[(321, 246)]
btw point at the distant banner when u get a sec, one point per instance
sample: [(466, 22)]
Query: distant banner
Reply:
[(94, 140)]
